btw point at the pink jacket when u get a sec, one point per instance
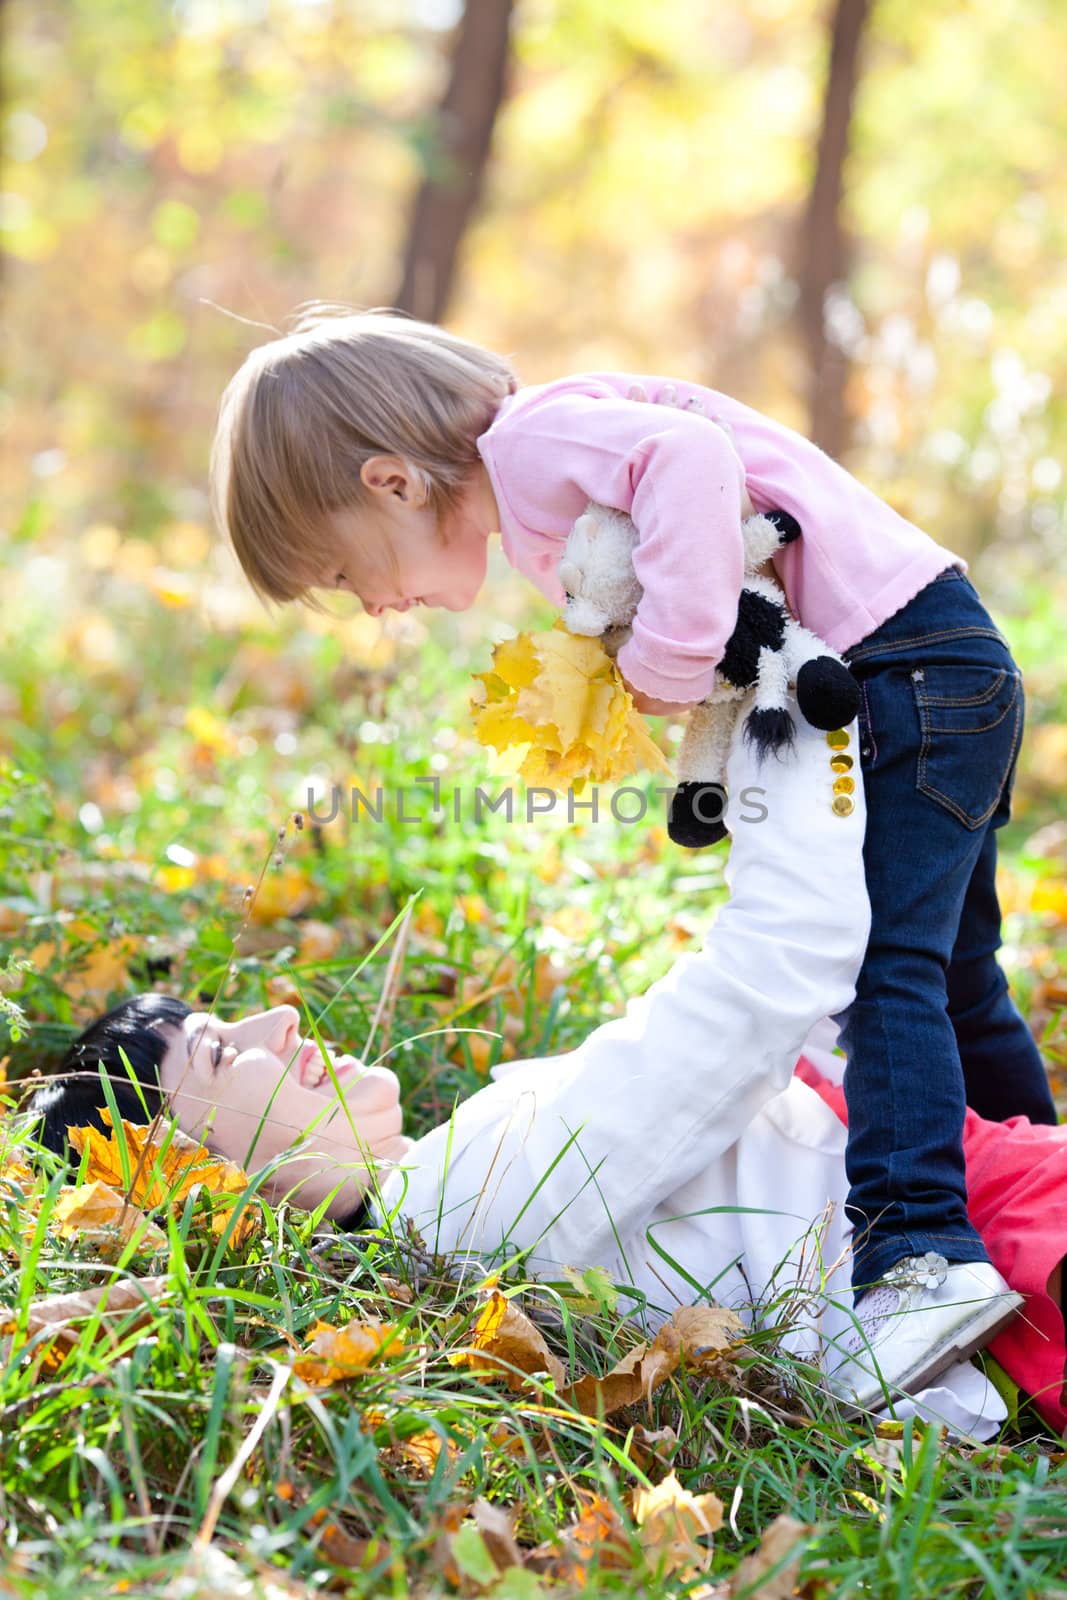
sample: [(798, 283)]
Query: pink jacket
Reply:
[(554, 446)]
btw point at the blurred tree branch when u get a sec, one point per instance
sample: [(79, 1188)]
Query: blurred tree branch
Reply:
[(824, 246), (460, 139)]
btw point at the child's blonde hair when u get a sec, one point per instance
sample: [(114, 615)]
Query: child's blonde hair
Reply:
[(306, 410)]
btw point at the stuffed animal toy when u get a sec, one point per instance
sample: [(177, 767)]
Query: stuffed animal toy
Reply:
[(767, 651)]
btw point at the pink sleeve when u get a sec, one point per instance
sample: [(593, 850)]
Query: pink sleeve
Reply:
[(677, 475)]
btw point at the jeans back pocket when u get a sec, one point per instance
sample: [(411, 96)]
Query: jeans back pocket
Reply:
[(971, 718)]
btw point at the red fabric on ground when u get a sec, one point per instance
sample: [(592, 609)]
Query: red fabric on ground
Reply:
[(1017, 1199)]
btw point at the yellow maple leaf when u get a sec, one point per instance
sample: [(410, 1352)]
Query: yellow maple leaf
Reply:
[(505, 1339), (18, 1182), (334, 1354), (419, 1450), (98, 1214), (562, 695), (164, 1165), (670, 1522)]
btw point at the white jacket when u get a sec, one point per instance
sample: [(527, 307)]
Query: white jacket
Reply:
[(673, 1147)]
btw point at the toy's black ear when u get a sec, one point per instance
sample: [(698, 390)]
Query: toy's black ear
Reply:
[(788, 527)]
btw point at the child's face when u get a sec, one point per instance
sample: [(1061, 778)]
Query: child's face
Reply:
[(430, 566)]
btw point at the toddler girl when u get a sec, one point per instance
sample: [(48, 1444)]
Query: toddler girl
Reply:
[(370, 452)]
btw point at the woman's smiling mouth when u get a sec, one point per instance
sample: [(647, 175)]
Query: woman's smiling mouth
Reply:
[(311, 1069)]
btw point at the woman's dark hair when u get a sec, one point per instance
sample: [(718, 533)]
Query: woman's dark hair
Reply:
[(75, 1097)]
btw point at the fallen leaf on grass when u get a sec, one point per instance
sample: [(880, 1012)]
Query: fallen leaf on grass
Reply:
[(334, 1354), (504, 1338), (783, 1535), (61, 1316), (165, 1164), (670, 1522), (98, 1215), (496, 1527), (419, 1450), (17, 1181), (284, 892), (507, 1342), (707, 1331), (632, 1379), (652, 1448), (598, 1535)]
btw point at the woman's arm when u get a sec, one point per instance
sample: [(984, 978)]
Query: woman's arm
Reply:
[(570, 1151)]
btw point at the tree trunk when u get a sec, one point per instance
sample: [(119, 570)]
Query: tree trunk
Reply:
[(825, 249), (460, 137)]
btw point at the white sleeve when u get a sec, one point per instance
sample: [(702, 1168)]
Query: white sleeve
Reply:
[(573, 1152)]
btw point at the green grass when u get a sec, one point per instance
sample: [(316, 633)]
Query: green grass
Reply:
[(127, 837), (110, 1467)]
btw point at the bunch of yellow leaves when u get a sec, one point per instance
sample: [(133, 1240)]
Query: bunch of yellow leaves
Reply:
[(563, 697)]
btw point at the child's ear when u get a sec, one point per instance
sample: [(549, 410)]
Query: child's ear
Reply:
[(384, 473)]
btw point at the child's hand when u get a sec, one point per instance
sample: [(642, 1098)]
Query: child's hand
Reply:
[(669, 397), (657, 708)]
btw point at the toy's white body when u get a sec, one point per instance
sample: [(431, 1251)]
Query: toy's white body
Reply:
[(603, 592)]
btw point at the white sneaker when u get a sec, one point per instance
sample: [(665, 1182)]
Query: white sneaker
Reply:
[(916, 1321)]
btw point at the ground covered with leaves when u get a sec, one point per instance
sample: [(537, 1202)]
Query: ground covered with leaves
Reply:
[(204, 1394)]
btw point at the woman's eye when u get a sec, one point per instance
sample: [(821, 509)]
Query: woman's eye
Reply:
[(216, 1052)]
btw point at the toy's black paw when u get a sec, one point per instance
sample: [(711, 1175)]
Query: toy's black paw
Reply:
[(788, 526), (827, 693), (696, 813)]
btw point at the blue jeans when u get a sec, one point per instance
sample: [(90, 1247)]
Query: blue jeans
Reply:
[(932, 1026)]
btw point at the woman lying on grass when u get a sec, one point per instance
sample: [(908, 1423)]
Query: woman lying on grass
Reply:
[(675, 1147)]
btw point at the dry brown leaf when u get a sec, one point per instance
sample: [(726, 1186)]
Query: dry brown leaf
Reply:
[(128, 1302), (449, 1521), (165, 1164), (421, 1450), (784, 1534), (505, 1338), (334, 1354), (707, 1331), (345, 1549), (650, 1448), (640, 1371), (98, 1215), (496, 1528), (670, 1522)]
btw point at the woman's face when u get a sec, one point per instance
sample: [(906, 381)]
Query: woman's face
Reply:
[(253, 1088)]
